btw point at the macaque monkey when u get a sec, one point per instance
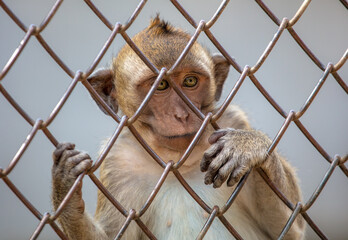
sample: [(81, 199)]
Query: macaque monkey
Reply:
[(168, 125)]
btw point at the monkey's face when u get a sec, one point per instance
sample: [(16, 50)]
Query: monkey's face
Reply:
[(169, 120)]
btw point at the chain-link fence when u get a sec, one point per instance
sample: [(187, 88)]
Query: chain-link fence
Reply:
[(36, 32)]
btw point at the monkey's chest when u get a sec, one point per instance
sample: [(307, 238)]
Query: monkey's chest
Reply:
[(176, 215)]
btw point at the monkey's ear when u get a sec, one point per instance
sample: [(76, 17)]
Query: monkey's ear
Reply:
[(103, 83), (221, 69)]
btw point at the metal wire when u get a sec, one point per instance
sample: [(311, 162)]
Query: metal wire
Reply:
[(127, 121)]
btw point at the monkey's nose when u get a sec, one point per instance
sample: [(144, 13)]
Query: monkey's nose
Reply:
[(182, 116)]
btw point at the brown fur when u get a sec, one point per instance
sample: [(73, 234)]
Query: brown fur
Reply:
[(162, 44), (167, 124)]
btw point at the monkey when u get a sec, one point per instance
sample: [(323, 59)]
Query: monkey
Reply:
[(215, 166)]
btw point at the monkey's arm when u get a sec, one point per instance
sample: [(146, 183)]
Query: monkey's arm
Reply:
[(68, 165), (235, 152), (269, 210)]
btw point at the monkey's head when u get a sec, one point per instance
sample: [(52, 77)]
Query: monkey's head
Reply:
[(167, 120)]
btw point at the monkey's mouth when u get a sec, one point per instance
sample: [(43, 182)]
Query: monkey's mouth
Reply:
[(170, 137), (181, 136)]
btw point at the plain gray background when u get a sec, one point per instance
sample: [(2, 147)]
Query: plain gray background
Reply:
[(37, 83)]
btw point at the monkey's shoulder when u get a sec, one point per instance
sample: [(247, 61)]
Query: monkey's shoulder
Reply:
[(234, 117)]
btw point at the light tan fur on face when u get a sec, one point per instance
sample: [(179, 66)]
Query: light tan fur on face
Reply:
[(213, 168)]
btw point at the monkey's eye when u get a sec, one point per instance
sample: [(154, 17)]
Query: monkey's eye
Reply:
[(190, 81), (163, 85)]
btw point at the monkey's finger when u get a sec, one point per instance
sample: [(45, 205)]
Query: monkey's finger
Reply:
[(74, 160), (60, 170), (64, 157), (84, 165), (216, 136), (77, 158), (61, 147), (236, 175), (214, 167), (224, 172), (209, 155)]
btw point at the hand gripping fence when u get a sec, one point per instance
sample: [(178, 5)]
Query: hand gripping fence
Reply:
[(127, 121)]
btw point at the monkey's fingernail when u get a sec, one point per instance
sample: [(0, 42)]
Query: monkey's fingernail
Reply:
[(216, 136), (203, 168), (207, 181), (72, 146), (232, 182)]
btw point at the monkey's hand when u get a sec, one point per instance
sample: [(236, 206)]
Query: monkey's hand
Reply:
[(68, 164), (232, 154)]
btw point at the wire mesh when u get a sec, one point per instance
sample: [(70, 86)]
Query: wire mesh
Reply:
[(203, 27)]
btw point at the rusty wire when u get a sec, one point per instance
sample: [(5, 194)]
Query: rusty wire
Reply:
[(126, 121)]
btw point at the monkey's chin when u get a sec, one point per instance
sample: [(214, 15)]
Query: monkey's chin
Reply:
[(177, 142)]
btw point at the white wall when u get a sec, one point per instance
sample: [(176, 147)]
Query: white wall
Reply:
[(37, 83)]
